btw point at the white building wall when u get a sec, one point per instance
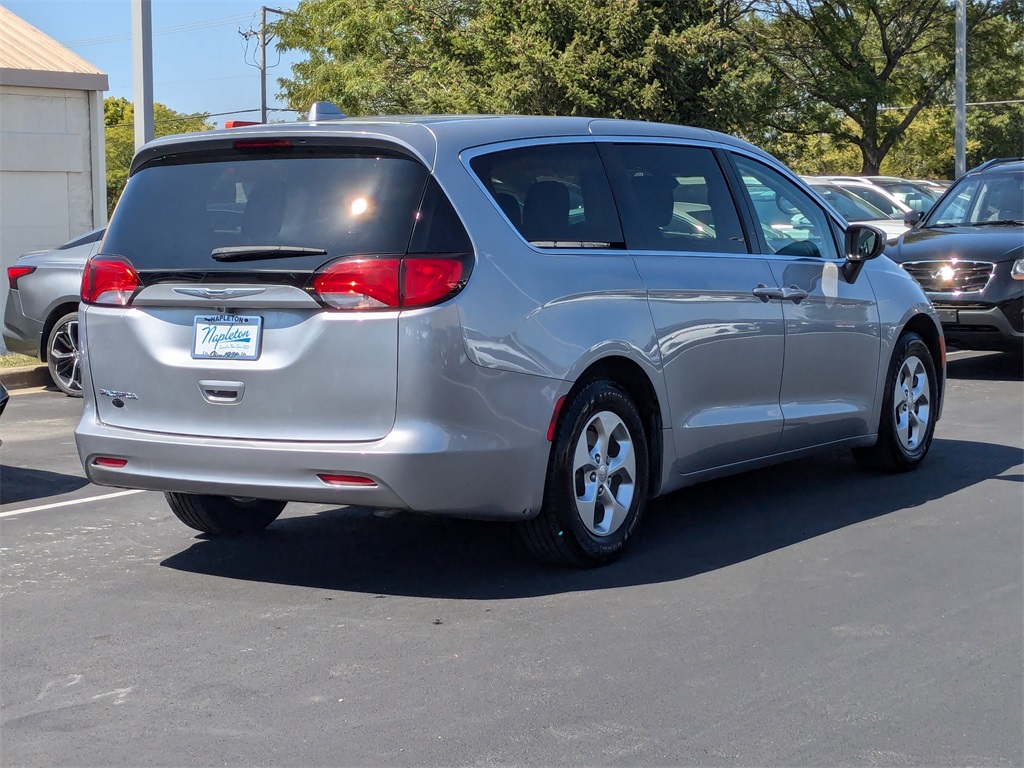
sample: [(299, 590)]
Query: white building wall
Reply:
[(50, 171)]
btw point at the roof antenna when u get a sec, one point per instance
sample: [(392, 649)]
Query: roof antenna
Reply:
[(324, 110)]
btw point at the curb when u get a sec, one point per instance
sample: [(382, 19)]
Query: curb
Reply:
[(25, 377)]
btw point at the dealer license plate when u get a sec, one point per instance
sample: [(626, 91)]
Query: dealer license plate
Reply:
[(235, 337)]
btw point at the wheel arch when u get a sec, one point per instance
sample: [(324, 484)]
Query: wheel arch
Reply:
[(631, 376), (925, 327)]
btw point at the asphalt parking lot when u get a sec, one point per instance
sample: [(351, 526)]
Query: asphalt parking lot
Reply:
[(808, 614)]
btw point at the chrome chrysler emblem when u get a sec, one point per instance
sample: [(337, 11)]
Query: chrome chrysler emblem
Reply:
[(219, 293)]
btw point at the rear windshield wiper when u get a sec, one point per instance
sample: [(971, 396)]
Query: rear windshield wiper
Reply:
[(258, 252), (999, 223)]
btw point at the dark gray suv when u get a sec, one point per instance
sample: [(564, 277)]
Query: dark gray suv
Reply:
[(968, 254), (540, 320)]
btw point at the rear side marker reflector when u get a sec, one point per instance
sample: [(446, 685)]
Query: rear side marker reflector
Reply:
[(348, 480), (554, 418), (109, 461)]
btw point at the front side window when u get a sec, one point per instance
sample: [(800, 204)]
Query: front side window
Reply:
[(791, 222), (674, 198), (555, 195)]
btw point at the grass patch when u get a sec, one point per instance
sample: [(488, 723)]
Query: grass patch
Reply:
[(14, 360)]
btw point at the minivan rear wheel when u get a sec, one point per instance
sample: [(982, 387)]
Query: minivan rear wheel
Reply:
[(596, 487), (222, 514)]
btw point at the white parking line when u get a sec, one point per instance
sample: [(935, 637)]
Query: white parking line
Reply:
[(67, 503)]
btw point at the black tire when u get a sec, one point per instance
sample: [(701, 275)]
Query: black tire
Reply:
[(223, 515), (62, 355), (907, 424), (564, 532)]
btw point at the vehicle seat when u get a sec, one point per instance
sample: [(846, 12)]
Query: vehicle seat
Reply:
[(546, 211), (653, 197), (264, 212), (510, 206)]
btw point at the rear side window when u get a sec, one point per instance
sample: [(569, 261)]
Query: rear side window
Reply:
[(674, 198), (172, 216), (556, 195)]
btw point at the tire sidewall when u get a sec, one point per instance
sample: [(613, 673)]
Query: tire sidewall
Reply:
[(51, 364), (910, 345), (594, 398)]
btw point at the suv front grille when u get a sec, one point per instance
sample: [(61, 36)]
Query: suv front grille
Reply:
[(951, 275)]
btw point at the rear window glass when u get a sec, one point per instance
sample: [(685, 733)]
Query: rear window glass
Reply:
[(556, 195), (173, 216)]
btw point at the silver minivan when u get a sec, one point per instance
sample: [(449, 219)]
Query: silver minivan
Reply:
[(533, 319)]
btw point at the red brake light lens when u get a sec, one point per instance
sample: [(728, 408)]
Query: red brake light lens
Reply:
[(389, 283), (359, 283), (262, 144), (13, 273), (109, 281), (430, 279)]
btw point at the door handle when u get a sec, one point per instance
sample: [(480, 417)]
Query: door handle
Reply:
[(794, 294), (765, 294), (221, 392)]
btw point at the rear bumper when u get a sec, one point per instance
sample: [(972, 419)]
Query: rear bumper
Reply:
[(21, 334), (419, 467)]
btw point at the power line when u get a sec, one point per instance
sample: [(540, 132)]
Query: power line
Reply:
[(207, 24), (969, 104)]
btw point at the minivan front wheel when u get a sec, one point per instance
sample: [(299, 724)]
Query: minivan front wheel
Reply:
[(62, 355), (908, 409), (223, 514), (596, 487)]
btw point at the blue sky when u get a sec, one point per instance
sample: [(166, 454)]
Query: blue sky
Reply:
[(199, 58)]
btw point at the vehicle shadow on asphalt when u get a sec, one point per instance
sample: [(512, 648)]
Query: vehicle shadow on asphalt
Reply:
[(693, 531), (997, 366), (23, 484)]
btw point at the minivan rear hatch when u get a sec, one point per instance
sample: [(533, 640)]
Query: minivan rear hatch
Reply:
[(226, 334)]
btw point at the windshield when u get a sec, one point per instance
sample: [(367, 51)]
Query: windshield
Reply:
[(877, 199), (851, 207), (176, 215), (977, 200)]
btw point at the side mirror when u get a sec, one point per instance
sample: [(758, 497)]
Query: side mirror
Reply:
[(863, 243), (910, 218)]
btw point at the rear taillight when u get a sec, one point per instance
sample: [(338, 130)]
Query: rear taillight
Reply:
[(13, 273), (109, 281), (389, 283)]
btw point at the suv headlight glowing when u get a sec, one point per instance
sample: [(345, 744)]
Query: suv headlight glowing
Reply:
[(1017, 270)]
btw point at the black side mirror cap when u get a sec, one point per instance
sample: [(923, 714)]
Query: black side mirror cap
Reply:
[(863, 243), (910, 218)]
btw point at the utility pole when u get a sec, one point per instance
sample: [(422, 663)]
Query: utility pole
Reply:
[(142, 61), (960, 95), (263, 59)]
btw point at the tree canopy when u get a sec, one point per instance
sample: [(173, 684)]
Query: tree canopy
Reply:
[(119, 119), (854, 83)]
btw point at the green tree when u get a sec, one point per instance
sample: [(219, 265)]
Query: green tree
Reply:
[(839, 66), (119, 117), (671, 60)]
